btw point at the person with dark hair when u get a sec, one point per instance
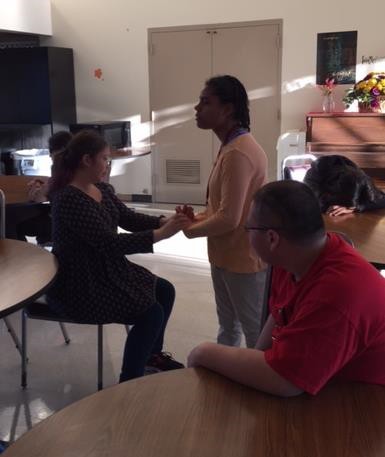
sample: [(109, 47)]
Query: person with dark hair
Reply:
[(96, 283), (327, 304), (57, 143), (35, 220), (238, 172), (342, 187)]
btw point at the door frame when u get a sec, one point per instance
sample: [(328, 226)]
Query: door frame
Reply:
[(212, 27), (222, 25)]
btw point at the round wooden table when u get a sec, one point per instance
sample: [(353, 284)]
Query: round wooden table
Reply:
[(26, 271), (366, 230), (194, 412)]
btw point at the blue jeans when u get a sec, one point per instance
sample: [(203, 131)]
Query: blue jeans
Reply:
[(146, 336)]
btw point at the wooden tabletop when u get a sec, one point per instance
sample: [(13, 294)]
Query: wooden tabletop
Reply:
[(128, 152), (194, 412), (366, 230), (15, 187), (25, 272)]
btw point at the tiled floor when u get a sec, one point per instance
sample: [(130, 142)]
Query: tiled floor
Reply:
[(60, 374)]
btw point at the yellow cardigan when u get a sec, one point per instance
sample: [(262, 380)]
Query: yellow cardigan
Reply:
[(239, 171)]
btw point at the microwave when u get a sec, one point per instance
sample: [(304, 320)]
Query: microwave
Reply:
[(117, 134)]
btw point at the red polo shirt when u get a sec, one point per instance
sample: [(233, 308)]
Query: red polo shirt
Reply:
[(331, 323)]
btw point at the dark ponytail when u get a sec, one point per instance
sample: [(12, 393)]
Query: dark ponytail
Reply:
[(67, 162), (230, 90)]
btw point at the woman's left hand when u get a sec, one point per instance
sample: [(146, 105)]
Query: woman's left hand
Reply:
[(187, 210), (339, 210)]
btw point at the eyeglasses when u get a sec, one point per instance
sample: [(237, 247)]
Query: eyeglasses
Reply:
[(262, 228)]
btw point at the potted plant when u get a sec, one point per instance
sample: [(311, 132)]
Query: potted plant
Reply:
[(369, 92)]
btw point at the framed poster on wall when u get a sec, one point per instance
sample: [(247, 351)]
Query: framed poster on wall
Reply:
[(337, 57)]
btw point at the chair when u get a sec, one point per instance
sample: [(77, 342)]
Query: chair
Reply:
[(295, 166), (41, 311)]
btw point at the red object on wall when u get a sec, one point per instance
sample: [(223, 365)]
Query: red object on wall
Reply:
[(98, 73)]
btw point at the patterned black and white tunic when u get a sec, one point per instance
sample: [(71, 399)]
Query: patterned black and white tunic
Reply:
[(95, 282)]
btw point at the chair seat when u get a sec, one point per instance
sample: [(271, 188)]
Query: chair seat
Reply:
[(39, 310)]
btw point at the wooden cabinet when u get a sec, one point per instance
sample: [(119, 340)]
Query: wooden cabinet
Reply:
[(37, 86), (37, 95), (358, 136)]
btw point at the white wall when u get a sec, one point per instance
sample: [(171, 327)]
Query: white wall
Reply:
[(113, 36), (132, 175), (26, 16)]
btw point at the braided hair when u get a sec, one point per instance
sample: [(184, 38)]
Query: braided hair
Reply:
[(230, 90)]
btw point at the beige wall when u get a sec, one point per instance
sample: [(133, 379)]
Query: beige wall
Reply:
[(113, 36)]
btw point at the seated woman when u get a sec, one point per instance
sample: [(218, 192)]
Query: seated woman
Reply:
[(96, 283), (342, 187)]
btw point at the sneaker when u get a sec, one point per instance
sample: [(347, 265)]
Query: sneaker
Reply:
[(163, 362), (150, 370)]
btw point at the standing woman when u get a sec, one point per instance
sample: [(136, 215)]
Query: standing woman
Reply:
[(96, 283), (238, 172)]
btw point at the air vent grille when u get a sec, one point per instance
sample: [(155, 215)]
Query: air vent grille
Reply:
[(183, 171)]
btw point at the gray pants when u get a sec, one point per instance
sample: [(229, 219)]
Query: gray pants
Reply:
[(239, 299)]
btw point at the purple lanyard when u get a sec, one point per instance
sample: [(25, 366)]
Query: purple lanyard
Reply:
[(234, 134)]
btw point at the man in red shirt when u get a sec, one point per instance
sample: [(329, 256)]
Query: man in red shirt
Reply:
[(327, 304)]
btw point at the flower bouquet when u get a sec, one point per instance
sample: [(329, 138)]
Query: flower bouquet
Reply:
[(369, 92), (327, 88)]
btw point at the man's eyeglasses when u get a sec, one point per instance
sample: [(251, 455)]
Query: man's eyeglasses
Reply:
[(261, 228)]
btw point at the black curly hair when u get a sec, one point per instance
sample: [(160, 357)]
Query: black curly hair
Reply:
[(230, 90), (336, 180)]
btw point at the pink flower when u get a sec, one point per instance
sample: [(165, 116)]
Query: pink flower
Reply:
[(329, 83), (328, 87), (374, 103), (375, 91)]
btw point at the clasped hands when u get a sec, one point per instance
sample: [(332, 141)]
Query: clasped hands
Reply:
[(187, 210), (169, 226)]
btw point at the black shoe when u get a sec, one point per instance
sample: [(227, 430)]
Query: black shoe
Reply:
[(163, 362), (3, 446)]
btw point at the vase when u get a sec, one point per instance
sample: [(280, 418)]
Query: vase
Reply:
[(381, 104), (328, 103), (365, 107)]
